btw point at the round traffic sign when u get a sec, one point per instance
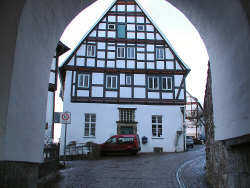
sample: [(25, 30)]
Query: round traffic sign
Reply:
[(65, 116)]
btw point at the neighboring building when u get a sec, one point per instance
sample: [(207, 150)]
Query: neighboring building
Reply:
[(124, 77), (194, 117), (49, 128)]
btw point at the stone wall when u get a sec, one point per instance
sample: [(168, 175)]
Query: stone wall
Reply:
[(18, 174), (228, 161)]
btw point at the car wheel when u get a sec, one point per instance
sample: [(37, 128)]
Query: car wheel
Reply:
[(130, 152)]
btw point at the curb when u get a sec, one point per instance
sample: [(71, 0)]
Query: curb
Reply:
[(180, 182)]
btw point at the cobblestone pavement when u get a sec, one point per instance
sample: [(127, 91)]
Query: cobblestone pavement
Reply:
[(143, 170), (192, 174)]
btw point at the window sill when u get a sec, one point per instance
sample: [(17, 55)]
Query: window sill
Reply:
[(89, 137), (157, 137)]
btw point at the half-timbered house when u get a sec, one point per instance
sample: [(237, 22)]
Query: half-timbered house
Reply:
[(125, 77), (53, 80), (194, 116)]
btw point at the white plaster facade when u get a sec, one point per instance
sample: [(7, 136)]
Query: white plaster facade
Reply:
[(108, 114)]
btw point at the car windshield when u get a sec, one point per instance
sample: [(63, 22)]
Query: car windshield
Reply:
[(188, 137)]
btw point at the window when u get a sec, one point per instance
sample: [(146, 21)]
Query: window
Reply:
[(111, 26), (166, 83), (157, 126), (131, 53), (140, 27), (111, 82), (127, 115), (159, 53), (153, 83), (121, 52), (91, 51), (90, 121), (128, 80), (111, 141), (125, 140), (83, 80)]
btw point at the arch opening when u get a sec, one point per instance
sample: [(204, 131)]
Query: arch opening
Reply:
[(225, 34)]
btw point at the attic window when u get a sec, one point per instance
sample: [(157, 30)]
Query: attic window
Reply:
[(91, 51), (131, 53), (121, 52), (111, 26), (140, 27), (159, 53)]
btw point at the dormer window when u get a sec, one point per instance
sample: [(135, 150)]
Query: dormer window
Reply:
[(111, 26)]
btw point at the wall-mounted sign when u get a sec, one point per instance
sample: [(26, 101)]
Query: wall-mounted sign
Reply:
[(62, 117)]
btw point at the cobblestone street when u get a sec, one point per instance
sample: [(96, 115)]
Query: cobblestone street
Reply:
[(186, 169)]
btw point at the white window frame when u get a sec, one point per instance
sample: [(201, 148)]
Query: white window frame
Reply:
[(120, 52), (127, 115), (91, 50), (159, 53), (89, 125), (130, 52), (140, 26), (85, 80), (111, 25), (155, 83), (128, 80), (165, 84), (110, 84), (157, 126)]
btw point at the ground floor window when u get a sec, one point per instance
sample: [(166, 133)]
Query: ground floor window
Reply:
[(127, 115), (156, 126), (90, 122)]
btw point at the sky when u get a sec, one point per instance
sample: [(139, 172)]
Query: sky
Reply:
[(174, 25)]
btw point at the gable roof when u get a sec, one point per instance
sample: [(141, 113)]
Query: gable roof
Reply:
[(103, 15), (164, 37)]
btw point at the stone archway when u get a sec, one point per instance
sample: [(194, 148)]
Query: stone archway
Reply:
[(31, 30)]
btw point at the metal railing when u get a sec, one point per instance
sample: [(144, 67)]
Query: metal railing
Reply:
[(50, 160)]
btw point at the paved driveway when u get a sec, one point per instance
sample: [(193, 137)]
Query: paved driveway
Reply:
[(143, 170)]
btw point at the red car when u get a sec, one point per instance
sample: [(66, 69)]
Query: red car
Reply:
[(124, 143)]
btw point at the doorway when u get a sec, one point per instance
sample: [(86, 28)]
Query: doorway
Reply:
[(126, 130)]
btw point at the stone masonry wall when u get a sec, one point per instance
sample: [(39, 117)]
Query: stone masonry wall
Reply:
[(228, 161), (18, 174)]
